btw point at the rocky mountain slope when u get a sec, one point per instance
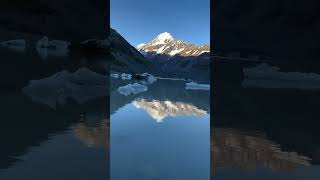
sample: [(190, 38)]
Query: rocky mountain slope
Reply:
[(124, 57)]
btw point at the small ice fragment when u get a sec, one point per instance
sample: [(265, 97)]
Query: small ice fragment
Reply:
[(151, 79), (195, 86), (125, 76), (54, 44), (115, 76), (132, 89)]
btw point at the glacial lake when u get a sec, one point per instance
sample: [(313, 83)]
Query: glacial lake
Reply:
[(161, 133), (266, 125), (54, 124)]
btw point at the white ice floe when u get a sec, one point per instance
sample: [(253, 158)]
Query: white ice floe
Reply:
[(115, 76), (132, 89), (149, 78), (54, 44), (266, 76), (55, 48), (18, 45), (80, 86), (125, 76), (195, 86)]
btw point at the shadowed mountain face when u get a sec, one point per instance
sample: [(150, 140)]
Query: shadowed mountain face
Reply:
[(287, 31), (126, 58), (60, 19)]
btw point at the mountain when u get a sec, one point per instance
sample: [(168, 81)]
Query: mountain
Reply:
[(124, 57), (176, 58), (165, 44)]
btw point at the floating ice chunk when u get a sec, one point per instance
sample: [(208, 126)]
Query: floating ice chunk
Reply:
[(54, 48), (149, 78), (54, 44), (81, 86), (15, 45), (132, 89), (266, 76), (125, 76), (115, 76), (195, 86)]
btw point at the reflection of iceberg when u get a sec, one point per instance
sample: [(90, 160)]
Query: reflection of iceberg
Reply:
[(159, 110), (233, 148), (132, 89), (18, 45), (266, 76), (59, 53), (54, 48), (196, 86), (80, 86)]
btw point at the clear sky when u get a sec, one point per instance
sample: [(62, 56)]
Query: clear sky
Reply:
[(139, 21)]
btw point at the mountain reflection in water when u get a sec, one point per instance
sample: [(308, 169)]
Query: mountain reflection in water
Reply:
[(268, 128), (176, 148), (159, 110), (54, 118), (233, 148)]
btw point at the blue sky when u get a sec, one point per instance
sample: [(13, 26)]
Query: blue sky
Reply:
[(139, 21)]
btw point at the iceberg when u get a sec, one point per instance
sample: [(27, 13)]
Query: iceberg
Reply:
[(54, 44), (147, 78), (18, 45), (132, 89), (195, 86), (81, 86), (56, 48), (125, 76), (115, 76), (267, 76)]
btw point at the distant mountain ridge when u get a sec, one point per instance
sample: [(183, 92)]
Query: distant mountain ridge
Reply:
[(165, 44)]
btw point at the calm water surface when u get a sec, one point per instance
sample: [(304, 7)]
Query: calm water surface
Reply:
[(162, 133), (52, 128), (266, 127)]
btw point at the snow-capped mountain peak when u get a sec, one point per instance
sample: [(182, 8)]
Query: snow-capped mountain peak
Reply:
[(165, 44), (140, 45), (164, 36)]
